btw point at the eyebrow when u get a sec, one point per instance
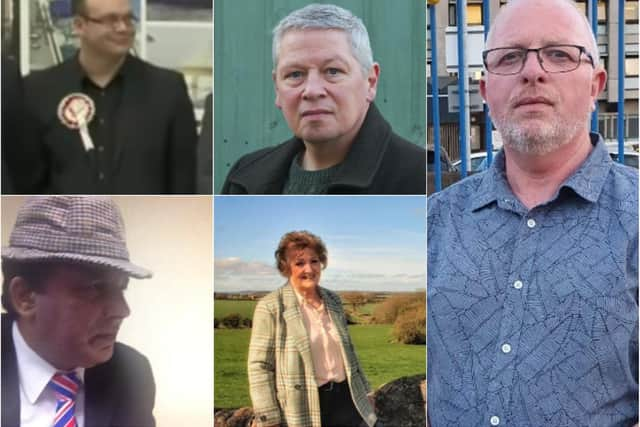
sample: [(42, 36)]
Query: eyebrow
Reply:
[(543, 43), (297, 64)]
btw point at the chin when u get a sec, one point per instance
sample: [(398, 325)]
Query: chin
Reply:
[(317, 137)]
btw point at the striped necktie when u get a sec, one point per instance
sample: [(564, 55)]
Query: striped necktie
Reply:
[(66, 387)]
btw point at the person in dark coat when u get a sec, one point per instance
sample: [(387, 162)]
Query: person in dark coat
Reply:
[(326, 81), (205, 150), (12, 111), (106, 122), (64, 273)]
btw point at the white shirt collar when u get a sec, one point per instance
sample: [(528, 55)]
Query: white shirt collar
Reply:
[(34, 372)]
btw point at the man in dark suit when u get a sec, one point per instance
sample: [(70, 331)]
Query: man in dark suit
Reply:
[(104, 121), (64, 274), (12, 100), (205, 149)]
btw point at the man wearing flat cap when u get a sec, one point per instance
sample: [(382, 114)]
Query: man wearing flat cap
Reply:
[(64, 274)]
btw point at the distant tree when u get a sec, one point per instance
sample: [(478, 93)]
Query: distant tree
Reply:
[(410, 327), (216, 323), (388, 310), (357, 299)]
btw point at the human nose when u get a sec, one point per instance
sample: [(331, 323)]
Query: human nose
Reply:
[(123, 24), (117, 305), (532, 70), (313, 86)]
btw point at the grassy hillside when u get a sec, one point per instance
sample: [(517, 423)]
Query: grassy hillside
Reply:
[(381, 360)]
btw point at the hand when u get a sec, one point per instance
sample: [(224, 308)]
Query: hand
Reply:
[(372, 400)]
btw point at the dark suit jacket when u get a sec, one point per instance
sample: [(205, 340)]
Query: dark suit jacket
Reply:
[(379, 162), (12, 107), (205, 150), (118, 393), (154, 144)]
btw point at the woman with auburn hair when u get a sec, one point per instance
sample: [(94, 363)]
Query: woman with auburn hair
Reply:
[(303, 370)]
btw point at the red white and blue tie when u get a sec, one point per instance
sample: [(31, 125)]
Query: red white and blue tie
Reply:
[(66, 387)]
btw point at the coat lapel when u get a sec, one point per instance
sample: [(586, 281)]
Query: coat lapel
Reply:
[(99, 396), (129, 110), (295, 327), (335, 312)]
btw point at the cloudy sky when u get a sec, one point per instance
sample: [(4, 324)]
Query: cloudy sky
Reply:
[(375, 243)]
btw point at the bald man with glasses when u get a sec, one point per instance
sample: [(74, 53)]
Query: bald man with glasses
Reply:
[(533, 264), (104, 121)]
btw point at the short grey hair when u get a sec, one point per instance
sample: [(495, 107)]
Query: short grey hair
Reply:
[(593, 49), (327, 17)]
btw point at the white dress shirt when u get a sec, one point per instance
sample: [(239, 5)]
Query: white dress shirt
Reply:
[(37, 401)]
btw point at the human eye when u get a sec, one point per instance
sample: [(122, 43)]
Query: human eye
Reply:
[(509, 56), (293, 75), (558, 54)]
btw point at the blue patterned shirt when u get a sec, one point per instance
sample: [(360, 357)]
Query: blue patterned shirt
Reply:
[(533, 314)]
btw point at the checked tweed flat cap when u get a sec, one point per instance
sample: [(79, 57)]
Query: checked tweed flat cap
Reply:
[(82, 228)]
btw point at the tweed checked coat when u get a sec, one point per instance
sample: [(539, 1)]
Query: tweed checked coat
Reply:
[(281, 375)]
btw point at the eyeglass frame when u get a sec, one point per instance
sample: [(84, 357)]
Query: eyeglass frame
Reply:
[(129, 20), (583, 50)]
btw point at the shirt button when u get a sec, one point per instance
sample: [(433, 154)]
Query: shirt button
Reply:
[(100, 148), (494, 420), (102, 122), (531, 223), (506, 348), (101, 176), (517, 284)]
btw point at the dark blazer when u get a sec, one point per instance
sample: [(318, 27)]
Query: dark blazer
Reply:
[(118, 393), (379, 162), (205, 149), (12, 108), (154, 144)]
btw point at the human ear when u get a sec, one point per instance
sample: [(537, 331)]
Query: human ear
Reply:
[(372, 82), (275, 87), (22, 296)]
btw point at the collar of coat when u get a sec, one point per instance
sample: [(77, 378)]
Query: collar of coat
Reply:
[(357, 170)]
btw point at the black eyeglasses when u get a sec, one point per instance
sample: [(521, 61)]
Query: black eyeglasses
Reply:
[(112, 21), (560, 58)]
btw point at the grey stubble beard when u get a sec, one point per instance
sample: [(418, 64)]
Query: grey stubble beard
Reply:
[(541, 140)]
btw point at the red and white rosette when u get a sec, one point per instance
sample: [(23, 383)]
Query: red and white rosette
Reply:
[(76, 111)]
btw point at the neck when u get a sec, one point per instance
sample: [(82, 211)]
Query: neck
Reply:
[(534, 179), (323, 155), (100, 68), (309, 295)]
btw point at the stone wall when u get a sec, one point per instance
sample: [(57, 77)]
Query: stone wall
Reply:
[(399, 403)]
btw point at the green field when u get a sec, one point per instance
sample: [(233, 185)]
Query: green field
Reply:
[(381, 360), (223, 307)]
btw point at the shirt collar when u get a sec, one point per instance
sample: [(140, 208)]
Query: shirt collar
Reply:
[(587, 181), (34, 372), (303, 302), (78, 73)]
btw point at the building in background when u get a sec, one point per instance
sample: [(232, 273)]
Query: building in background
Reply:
[(446, 21)]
